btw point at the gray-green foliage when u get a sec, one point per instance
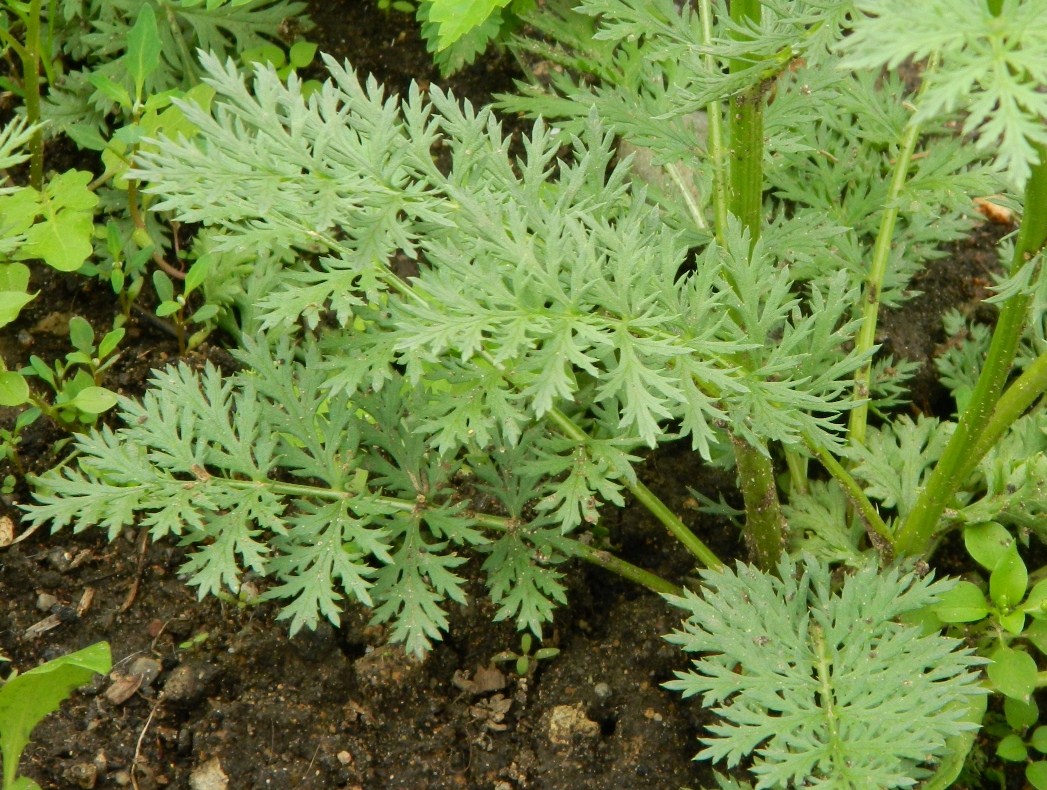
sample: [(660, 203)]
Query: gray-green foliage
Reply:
[(823, 686), (547, 285)]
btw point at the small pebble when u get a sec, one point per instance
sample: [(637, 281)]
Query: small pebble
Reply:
[(209, 776), (602, 690), (44, 602)]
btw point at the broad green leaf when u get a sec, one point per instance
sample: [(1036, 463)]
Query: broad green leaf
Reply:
[(11, 304), (69, 190), (14, 391), (1038, 741), (27, 698), (1036, 773), (94, 400), (301, 54), (1008, 581), (81, 334), (964, 603), (143, 48), (1012, 749), (1036, 603), (1012, 672), (14, 277), (988, 543), (1013, 622), (64, 243), (1020, 714)]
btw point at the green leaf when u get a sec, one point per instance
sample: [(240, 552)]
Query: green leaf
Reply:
[(1008, 581), (14, 390), (94, 400), (197, 273), (110, 342), (1020, 714), (27, 698), (111, 90), (301, 54), (1036, 602), (455, 18), (81, 334), (11, 304), (988, 543), (1036, 773), (63, 242), (1012, 749), (964, 603), (14, 283), (1012, 672), (1038, 741), (163, 285), (1013, 622), (758, 639), (143, 48)]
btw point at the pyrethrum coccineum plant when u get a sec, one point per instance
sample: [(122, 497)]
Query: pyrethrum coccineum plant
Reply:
[(573, 309)]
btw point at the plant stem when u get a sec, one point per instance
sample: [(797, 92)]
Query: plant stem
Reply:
[(854, 491), (648, 499), (1012, 405), (30, 57), (568, 546), (714, 118), (874, 284), (764, 524), (919, 527)]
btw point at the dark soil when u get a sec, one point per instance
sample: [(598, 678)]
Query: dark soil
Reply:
[(228, 694)]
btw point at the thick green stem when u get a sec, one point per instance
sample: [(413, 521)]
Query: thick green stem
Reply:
[(919, 527), (764, 524), (874, 284), (1012, 404)]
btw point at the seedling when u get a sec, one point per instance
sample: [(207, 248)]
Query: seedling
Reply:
[(526, 661)]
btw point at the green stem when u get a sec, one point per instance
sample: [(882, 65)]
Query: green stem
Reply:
[(854, 491), (714, 118), (764, 524), (647, 498), (570, 547), (1012, 405), (919, 527), (874, 283), (30, 57)]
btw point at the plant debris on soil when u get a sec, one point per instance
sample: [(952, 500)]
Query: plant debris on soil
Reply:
[(214, 694)]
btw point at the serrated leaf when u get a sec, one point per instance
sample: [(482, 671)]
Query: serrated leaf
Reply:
[(758, 639), (455, 18)]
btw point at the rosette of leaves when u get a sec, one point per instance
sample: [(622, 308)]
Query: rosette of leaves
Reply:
[(822, 685)]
